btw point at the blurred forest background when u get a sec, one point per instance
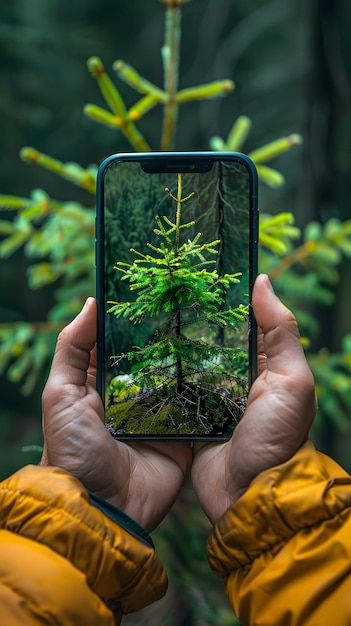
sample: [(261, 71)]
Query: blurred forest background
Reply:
[(291, 64)]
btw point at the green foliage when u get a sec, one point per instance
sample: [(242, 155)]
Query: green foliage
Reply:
[(277, 232), (59, 233), (169, 97), (170, 280), (235, 142), (308, 272), (25, 351), (73, 172), (333, 384)]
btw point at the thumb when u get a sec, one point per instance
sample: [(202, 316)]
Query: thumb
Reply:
[(279, 345), (73, 349)]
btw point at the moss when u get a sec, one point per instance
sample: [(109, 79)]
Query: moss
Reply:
[(194, 411)]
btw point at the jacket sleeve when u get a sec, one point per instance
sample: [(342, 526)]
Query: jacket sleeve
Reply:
[(284, 548), (64, 561)]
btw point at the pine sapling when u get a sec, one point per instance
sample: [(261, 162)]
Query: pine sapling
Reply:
[(174, 283)]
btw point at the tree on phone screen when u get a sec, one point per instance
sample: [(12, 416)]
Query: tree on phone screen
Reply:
[(184, 380)]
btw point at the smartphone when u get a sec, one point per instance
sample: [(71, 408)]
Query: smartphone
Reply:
[(176, 257)]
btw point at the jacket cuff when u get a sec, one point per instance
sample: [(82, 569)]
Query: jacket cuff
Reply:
[(302, 492), (50, 506), (122, 519)]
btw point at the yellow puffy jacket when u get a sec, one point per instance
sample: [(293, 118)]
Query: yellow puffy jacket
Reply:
[(65, 562), (284, 548)]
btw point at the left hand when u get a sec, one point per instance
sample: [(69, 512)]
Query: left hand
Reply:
[(142, 479)]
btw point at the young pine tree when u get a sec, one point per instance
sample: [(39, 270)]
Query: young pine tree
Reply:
[(180, 380)]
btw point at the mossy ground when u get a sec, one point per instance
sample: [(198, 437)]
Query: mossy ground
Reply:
[(193, 411)]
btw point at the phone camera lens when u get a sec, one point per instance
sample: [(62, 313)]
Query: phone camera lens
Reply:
[(192, 166)]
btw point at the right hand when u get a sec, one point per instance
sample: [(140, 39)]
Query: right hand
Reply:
[(280, 410)]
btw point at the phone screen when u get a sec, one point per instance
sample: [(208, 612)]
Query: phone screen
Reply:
[(176, 260)]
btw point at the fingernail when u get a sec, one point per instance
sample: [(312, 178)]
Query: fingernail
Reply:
[(269, 285), (85, 304)]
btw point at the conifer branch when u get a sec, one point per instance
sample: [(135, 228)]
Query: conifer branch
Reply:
[(85, 178), (170, 55)]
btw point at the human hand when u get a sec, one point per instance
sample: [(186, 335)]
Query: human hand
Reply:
[(142, 479), (280, 410)]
